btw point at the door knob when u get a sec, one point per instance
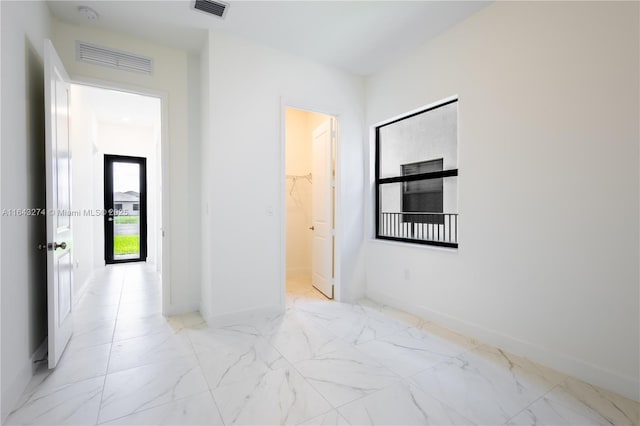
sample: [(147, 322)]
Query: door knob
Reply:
[(313, 228), (52, 246)]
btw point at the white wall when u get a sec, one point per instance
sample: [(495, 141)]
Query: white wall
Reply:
[(206, 290), (171, 72), (245, 159), (193, 211), (24, 25), (83, 133), (548, 185)]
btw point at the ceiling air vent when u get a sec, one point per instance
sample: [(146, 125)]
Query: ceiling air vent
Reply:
[(107, 57), (216, 8)]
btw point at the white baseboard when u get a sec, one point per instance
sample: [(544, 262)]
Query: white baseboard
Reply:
[(11, 395), (567, 364)]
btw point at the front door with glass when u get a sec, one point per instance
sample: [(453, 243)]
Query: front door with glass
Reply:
[(125, 204)]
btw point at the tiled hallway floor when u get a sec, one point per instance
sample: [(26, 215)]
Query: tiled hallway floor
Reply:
[(322, 362)]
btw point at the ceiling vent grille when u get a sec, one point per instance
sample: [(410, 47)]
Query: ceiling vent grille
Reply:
[(216, 8), (86, 52)]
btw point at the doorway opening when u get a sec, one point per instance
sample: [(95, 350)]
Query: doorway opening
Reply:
[(310, 196), (125, 203), (116, 138)]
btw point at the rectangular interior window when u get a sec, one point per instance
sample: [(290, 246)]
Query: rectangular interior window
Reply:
[(416, 184)]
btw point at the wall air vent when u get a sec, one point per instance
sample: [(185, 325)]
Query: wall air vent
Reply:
[(216, 8), (98, 55)]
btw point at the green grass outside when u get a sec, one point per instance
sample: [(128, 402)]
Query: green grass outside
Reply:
[(127, 219), (126, 244)]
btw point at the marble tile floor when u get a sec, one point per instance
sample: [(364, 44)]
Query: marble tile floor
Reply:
[(319, 363)]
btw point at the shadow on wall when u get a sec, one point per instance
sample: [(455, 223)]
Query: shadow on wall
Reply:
[(36, 196)]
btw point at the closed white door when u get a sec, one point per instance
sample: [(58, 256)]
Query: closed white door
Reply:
[(322, 246), (58, 176)]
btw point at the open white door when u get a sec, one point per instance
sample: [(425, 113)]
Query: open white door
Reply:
[(322, 246), (58, 172)]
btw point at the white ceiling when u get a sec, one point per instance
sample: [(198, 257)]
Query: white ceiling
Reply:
[(122, 108), (358, 36)]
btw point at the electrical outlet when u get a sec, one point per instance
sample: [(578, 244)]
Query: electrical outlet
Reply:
[(407, 274)]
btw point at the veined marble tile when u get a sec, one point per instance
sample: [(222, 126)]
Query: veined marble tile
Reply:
[(331, 418), (40, 375), (486, 385), (108, 294), (87, 313), (191, 320), (228, 364), (345, 375), (264, 323), (77, 365), (277, 397), (402, 316), (149, 349), (234, 336), (141, 309), (141, 294), (401, 404), (127, 392), (450, 341), (194, 410), (327, 310), (594, 402), (93, 334), (73, 404), (96, 300), (299, 299), (353, 323), (371, 326), (405, 354), (546, 412), (299, 338), (92, 325), (128, 328)]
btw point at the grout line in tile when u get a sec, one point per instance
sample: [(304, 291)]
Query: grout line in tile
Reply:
[(104, 383), (532, 402)]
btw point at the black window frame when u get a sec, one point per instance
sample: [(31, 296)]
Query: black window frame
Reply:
[(408, 178)]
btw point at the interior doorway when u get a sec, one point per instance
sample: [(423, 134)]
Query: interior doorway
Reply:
[(116, 134), (125, 203), (310, 196)]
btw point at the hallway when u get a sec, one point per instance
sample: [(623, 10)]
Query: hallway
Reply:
[(322, 362)]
